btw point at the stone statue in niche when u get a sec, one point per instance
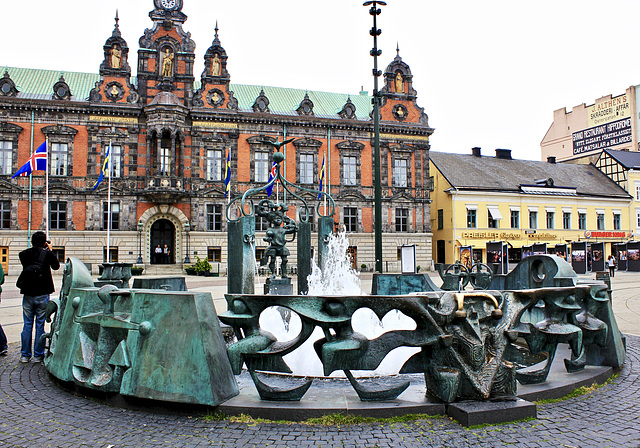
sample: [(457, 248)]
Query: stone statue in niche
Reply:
[(167, 63), (116, 57), (216, 66), (276, 234), (399, 83)]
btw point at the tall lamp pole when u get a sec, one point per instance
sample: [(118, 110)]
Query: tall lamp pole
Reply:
[(377, 189), (187, 228), (140, 227)]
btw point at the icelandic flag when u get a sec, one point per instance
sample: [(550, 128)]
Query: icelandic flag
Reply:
[(272, 174), (105, 167), (37, 162), (227, 175), (321, 180)]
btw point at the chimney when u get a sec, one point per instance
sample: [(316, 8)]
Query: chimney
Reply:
[(503, 154), (551, 159), (476, 151)]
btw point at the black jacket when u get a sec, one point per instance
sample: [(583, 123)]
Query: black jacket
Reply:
[(30, 256)]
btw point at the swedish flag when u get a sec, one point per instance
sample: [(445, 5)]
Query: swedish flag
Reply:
[(227, 175), (105, 167), (321, 180)]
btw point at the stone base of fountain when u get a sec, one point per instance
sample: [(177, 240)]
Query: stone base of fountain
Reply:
[(335, 395)]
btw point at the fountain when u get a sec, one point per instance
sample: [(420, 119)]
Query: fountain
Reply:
[(465, 344)]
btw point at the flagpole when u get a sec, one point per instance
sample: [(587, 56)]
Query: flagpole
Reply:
[(228, 173), (46, 188), (109, 205), (30, 177)]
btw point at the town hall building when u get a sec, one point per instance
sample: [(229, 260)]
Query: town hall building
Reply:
[(170, 135)]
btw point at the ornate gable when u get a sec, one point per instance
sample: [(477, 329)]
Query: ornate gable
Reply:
[(115, 73), (215, 92), (398, 95), (7, 86), (166, 55)]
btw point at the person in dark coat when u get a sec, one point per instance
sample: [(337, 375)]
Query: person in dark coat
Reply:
[(36, 296)]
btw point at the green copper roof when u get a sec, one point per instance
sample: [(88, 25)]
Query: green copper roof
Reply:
[(283, 101), (38, 84)]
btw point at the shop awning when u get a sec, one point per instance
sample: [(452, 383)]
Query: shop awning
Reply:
[(494, 212)]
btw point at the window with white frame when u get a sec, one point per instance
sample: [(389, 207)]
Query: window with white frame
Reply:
[(566, 220), (402, 219), (59, 159), (116, 161), (515, 219), (349, 165), (214, 164), (261, 166), (214, 217), (551, 219), (165, 161), (350, 219), (306, 168), (617, 222), (115, 215), (582, 220), (5, 214), (638, 218), (6, 157), (637, 184), (400, 172), (533, 219), (472, 222), (600, 220), (57, 215)]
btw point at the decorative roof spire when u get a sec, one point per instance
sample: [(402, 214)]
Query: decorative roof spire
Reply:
[(216, 39), (116, 28)]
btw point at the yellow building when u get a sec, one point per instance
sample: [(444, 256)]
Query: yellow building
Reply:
[(479, 199)]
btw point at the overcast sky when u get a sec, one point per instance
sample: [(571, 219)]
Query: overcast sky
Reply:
[(488, 73)]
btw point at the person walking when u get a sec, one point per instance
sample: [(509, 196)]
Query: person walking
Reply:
[(611, 264), (36, 284), (4, 348)]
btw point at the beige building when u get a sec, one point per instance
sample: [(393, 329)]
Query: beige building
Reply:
[(583, 133)]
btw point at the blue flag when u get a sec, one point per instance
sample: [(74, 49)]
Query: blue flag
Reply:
[(272, 174), (105, 167), (37, 162), (321, 180), (227, 175)]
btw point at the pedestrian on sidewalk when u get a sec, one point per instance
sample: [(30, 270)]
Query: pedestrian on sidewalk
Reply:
[(4, 348), (611, 264), (35, 283)]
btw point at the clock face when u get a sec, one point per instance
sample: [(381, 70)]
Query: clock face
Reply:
[(169, 4)]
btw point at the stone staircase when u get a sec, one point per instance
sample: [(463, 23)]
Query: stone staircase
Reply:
[(164, 269)]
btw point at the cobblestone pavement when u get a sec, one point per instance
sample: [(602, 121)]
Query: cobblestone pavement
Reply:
[(34, 412)]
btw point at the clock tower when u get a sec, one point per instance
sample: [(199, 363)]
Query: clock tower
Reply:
[(166, 55)]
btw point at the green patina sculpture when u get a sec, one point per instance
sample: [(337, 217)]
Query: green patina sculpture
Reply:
[(466, 338), (276, 235), (159, 345)]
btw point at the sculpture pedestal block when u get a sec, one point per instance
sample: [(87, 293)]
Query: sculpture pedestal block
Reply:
[(278, 286), (471, 413)]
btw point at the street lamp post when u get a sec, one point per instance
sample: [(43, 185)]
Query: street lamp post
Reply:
[(377, 188), (187, 228), (140, 227)]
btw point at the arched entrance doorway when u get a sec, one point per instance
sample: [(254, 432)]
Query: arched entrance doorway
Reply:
[(163, 234)]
